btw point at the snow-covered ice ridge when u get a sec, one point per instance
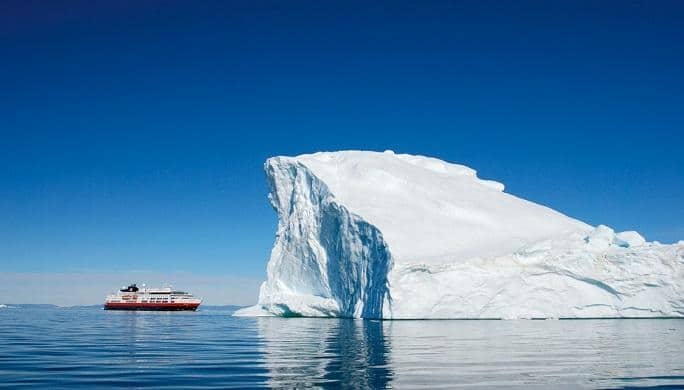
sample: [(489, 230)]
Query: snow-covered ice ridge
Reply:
[(385, 235)]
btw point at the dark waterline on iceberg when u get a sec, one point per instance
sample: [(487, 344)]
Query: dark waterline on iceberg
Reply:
[(89, 347)]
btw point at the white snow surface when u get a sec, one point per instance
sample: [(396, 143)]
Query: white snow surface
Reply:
[(385, 235)]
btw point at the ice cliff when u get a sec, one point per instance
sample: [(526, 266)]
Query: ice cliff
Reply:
[(384, 235)]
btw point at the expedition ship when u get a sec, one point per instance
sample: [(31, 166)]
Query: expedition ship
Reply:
[(134, 298)]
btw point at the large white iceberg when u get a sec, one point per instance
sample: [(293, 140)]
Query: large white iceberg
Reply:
[(385, 235)]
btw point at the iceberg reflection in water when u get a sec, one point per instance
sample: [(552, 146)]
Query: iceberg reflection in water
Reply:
[(58, 348), (303, 352)]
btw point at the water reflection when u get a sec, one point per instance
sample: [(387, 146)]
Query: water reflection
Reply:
[(60, 348), (446, 354), (305, 352)]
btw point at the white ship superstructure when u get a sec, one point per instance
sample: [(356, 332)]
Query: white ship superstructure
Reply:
[(165, 298)]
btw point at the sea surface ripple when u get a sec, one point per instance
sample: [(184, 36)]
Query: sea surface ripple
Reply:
[(91, 348)]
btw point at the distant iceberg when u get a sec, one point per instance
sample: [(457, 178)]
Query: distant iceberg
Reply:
[(397, 236)]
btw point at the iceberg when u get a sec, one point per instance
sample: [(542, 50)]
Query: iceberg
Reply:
[(398, 236)]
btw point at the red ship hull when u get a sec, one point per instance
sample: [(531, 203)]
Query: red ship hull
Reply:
[(150, 306)]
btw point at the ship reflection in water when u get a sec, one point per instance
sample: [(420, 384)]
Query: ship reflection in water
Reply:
[(91, 347)]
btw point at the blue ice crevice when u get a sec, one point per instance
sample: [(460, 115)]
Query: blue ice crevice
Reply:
[(326, 261)]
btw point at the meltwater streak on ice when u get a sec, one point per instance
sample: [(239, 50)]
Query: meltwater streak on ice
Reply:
[(94, 348), (367, 234)]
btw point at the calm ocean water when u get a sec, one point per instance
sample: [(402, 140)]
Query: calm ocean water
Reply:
[(89, 347)]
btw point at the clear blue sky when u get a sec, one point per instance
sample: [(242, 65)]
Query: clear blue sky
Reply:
[(134, 133)]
